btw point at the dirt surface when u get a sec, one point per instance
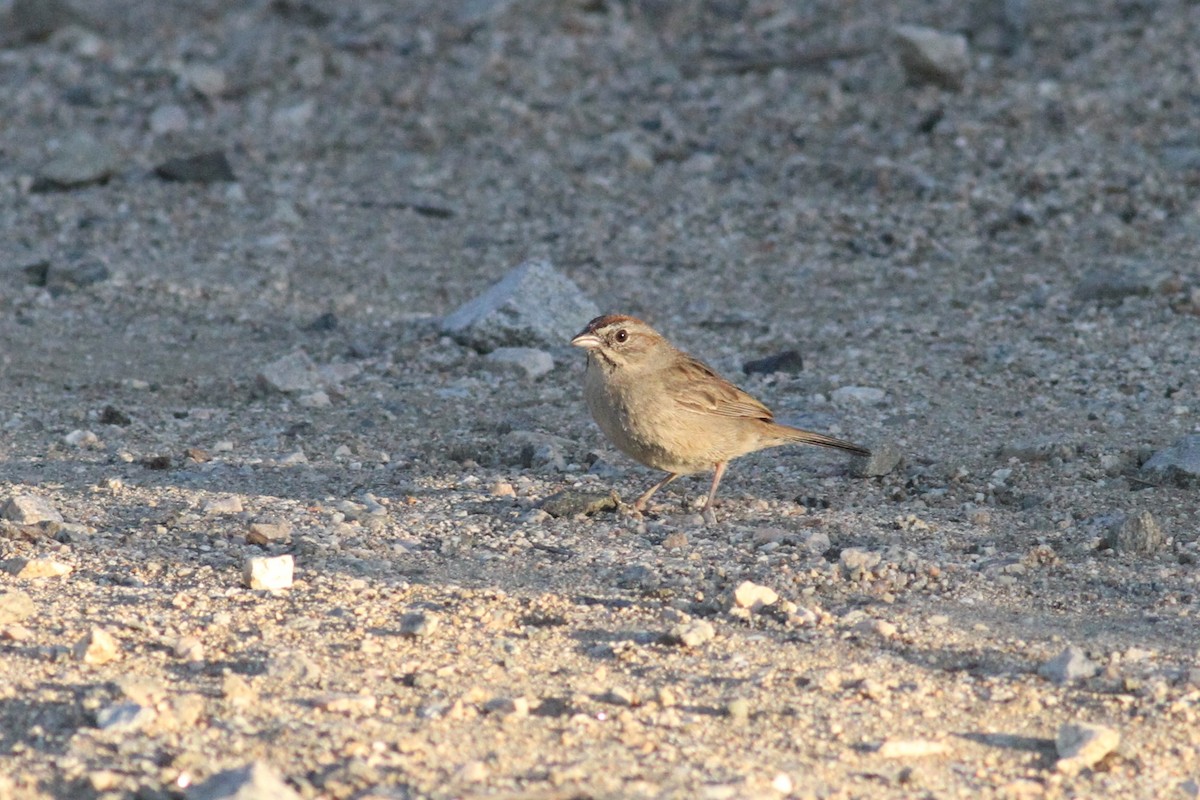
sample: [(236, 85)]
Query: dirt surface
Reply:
[(1012, 265)]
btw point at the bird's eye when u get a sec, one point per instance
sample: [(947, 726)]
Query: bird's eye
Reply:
[(622, 336)]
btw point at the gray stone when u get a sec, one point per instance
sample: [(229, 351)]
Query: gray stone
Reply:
[(30, 509), (419, 624), (124, 717), (1070, 665), (1178, 464), (294, 372), (35, 20), (534, 305), (788, 361), (80, 161), (1139, 534), (209, 167), (884, 458), (1110, 284), (533, 362), (255, 781), (932, 56), (74, 271), (858, 394)]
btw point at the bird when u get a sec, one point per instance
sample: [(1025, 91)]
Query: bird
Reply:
[(672, 412)]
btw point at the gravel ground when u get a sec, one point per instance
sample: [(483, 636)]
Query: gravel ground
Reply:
[(998, 281)]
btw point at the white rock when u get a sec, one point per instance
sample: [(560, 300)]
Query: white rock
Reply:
[(753, 596), (932, 56), (1070, 665), (866, 395), (533, 361), (270, 573)]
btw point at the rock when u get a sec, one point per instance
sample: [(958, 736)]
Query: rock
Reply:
[(209, 167), (207, 80), (738, 710), (294, 372), (534, 305), (884, 458), (533, 450), (351, 704), (81, 438), (168, 119), (1070, 665), (30, 568), (1138, 534), (255, 781), (691, 633), (508, 706), (292, 666), (30, 509), (74, 271), (15, 606), (573, 502), (857, 562), (124, 717), (81, 160), (753, 596), (1001, 26), (268, 573), (815, 543), (911, 748), (222, 505), (932, 56), (1111, 284), (96, 647), (237, 690), (419, 624), (35, 20), (317, 399), (188, 648), (1040, 449), (620, 696), (867, 395), (265, 533), (1081, 745), (1177, 464), (296, 116), (788, 361), (533, 362), (876, 627)]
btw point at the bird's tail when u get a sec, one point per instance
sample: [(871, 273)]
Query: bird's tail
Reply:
[(788, 434)]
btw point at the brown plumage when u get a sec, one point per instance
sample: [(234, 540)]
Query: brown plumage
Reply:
[(669, 411)]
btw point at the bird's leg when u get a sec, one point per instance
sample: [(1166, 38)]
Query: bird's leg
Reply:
[(639, 505), (709, 515)]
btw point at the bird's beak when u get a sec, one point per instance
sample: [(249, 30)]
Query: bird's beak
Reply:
[(587, 340)]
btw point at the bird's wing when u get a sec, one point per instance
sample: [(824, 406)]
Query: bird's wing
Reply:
[(696, 388)]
